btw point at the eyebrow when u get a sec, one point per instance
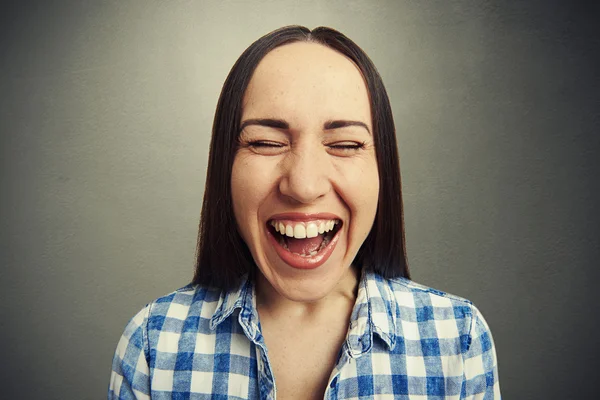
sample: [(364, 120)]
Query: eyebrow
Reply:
[(282, 124)]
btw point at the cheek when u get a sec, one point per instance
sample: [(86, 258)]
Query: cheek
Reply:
[(240, 190), (369, 195), (361, 181), (362, 195), (249, 188)]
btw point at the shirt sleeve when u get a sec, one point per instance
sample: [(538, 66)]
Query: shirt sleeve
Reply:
[(480, 363), (130, 376)]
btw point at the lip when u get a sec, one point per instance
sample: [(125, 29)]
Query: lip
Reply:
[(295, 260), (296, 216)]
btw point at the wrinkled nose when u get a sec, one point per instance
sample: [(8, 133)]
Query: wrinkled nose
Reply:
[(305, 175)]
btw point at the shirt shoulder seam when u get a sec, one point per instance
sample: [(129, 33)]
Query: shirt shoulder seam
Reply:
[(145, 333), (417, 287)]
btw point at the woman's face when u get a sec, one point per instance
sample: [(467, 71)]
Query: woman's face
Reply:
[(305, 182)]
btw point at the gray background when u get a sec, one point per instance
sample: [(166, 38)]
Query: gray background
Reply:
[(105, 116)]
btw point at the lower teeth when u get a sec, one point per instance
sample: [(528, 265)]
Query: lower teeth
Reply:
[(311, 254)]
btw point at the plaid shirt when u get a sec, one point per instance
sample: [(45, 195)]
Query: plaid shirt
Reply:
[(405, 341)]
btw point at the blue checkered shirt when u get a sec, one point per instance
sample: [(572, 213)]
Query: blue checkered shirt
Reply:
[(405, 341)]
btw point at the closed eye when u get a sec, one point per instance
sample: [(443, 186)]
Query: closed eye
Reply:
[(348, 145), (264, 143), (265, 147), (346, 148)]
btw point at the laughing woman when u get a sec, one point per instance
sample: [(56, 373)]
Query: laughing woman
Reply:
[(301, 288)]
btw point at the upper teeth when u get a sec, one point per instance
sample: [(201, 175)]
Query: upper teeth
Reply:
[(301, 230)]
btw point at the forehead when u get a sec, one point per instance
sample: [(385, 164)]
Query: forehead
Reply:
[(307, 80)]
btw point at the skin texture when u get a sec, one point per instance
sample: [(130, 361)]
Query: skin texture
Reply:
[(305, 166), (300, 169)]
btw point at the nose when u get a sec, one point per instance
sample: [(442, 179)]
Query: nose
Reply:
[(305, 176)]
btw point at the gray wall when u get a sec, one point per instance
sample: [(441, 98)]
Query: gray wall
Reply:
[(105, 114)]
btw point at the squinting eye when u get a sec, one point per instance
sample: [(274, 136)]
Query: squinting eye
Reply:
[(351, 145), (346, 148), (265, 143), (266, 147)]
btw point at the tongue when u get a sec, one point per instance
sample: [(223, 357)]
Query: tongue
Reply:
[(304, 246)]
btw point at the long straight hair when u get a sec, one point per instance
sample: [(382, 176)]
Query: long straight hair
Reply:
[(222, 255)]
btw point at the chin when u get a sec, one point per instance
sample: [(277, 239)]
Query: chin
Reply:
[(306, 285)]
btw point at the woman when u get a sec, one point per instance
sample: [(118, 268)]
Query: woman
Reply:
[(301, 288)]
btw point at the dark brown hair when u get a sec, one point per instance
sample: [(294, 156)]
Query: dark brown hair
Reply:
[(222, 255)]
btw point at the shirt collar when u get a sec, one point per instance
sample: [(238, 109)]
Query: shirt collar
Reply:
[(242, 297), (375, 312)]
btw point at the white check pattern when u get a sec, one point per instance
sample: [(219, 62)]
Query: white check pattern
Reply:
[(405, 341)]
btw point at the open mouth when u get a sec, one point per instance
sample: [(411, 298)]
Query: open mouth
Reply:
[(304, 244), (304, 239)]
